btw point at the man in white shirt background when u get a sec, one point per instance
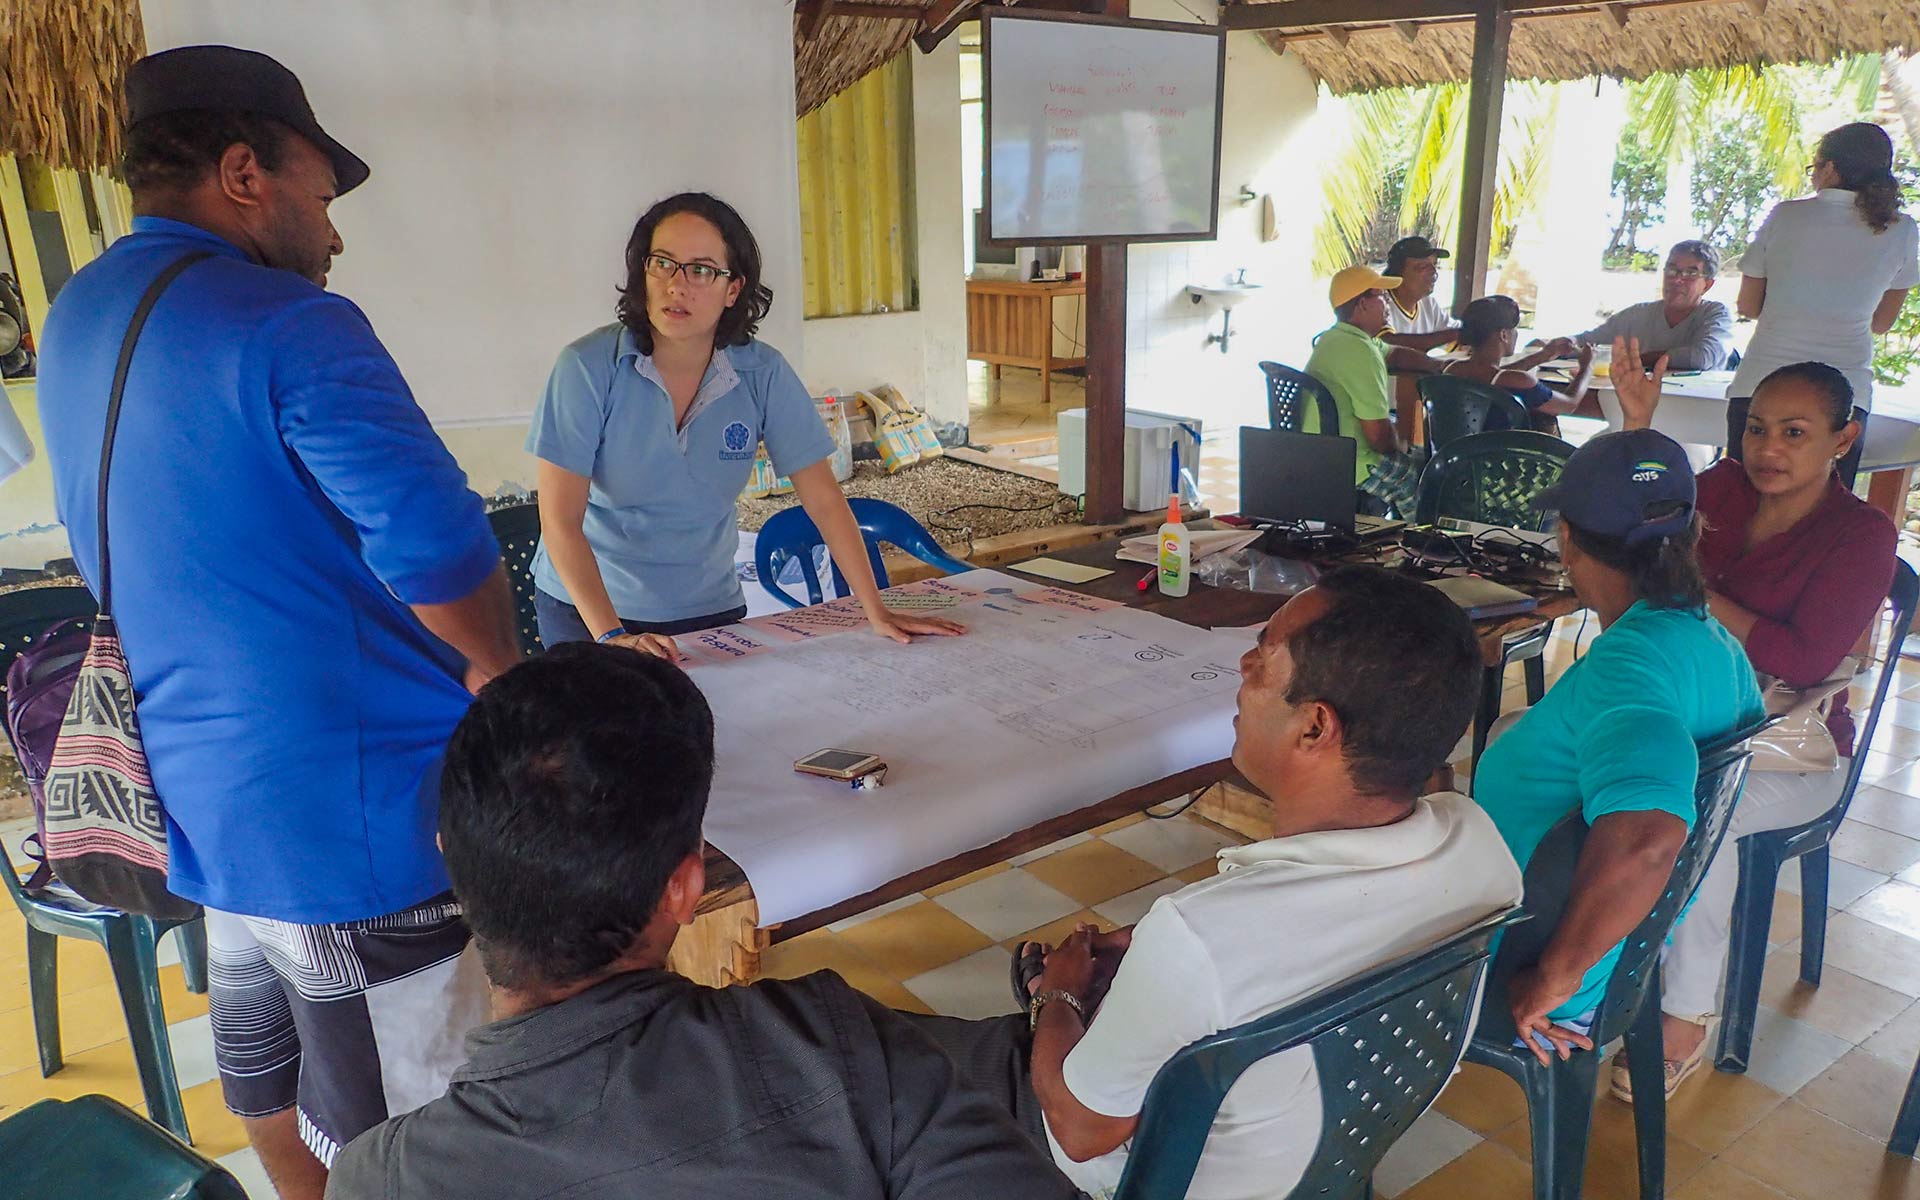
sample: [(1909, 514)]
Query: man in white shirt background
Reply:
[(1358, 690), (1417, 323)]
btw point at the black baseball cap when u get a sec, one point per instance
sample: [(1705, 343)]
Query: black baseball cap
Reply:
[(1633, 486), (227, 79), (1412, 247)]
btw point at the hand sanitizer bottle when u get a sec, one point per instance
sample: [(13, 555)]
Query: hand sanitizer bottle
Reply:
[(1176, 552)]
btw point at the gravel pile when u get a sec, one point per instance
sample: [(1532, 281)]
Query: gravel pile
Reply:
[(957, 501)]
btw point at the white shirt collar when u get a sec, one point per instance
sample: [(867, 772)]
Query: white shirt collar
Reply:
[(1835, 195), (1416, 836)]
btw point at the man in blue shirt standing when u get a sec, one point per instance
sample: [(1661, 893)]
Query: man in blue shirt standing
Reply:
[(307, 593)]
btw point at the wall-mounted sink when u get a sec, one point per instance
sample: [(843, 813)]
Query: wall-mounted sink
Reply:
[(1228, 295)]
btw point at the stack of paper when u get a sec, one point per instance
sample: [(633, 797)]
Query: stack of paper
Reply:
[(1146, 547)]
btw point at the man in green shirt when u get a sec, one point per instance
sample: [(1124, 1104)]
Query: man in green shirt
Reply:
[(1351, 360)]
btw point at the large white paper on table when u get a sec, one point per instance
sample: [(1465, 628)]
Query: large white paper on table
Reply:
[(1052, 701)]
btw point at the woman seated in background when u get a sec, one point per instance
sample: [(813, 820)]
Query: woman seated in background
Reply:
[(1615, 738), (1488, 332), (1796, 567), (646, 436)]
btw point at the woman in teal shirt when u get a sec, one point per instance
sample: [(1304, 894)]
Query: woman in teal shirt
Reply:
[(646, 437), (1615, 739)]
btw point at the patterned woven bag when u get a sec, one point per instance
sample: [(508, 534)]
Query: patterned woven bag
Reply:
[(106, 832)]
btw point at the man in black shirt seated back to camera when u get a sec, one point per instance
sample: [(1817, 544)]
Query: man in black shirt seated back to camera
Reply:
[(570, 815)]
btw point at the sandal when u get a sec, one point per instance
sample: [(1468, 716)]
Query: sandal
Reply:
[(1675, 1073), (1029, 960)]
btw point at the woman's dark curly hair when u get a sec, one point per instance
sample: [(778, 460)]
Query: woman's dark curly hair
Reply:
[(743, 317)]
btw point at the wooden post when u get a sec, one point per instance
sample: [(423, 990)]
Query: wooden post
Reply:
[(1492, 25), (1106, 382), (1107, 370)]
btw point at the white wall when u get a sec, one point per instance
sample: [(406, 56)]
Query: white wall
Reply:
[(923, 352), (1269, 103), (512, 146)]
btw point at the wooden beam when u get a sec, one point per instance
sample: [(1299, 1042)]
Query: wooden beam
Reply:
[(1107, 368), (1523, 10), (939, 19), (873, 12), (1759, 7), (811, 13), (1409, 31), (1340, 35), (1492, 31)]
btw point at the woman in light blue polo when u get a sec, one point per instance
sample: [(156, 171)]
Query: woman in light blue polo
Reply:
[(646, 436)]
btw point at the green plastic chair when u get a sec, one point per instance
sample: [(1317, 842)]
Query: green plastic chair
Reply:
[(1384, 1045), (52, 912), (1560, 1097), (517, 528), (1492, 478), (1458, 408), (100, 1149)]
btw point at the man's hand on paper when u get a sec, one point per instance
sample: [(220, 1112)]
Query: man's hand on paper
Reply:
[(657, 644), (902, 627)]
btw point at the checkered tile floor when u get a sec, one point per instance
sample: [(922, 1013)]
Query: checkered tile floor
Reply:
[(1808, 1122)]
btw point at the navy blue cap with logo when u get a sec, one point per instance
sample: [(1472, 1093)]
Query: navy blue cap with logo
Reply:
[(1635, 487)]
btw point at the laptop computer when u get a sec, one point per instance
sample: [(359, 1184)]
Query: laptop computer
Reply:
[(1287, 478)]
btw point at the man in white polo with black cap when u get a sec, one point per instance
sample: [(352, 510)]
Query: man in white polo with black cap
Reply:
[(307, 593)]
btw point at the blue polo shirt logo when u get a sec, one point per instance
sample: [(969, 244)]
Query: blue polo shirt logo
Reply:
[(737, 441)]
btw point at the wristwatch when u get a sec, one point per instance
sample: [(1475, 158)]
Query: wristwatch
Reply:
[(1039, 1002)]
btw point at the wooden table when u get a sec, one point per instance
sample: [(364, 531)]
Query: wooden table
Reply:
[(726, 939), (1010, 324)]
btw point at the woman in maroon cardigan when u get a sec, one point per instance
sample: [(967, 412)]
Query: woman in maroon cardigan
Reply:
[(1796, 567)]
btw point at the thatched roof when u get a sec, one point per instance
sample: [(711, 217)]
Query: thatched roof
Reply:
[(61, 63), (842, 49), (1574, 43)]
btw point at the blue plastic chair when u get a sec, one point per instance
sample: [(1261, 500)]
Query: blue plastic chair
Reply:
[(790, 535), (1560, 1097), (1384, 1044), (1492, 478), (1289, 392), (52, 912), (1762, 854), (1458, 408), (517, 528), (101, 1149)]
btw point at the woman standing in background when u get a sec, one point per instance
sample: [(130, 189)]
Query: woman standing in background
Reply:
[(1826, 273)]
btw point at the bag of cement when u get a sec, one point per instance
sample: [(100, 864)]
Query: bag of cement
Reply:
[(833, 412), (902, 433), (763, 482)]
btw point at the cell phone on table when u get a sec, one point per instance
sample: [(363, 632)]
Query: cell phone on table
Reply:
[(839, 764)]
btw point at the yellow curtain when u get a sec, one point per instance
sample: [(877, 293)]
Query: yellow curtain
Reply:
[(856, 197)]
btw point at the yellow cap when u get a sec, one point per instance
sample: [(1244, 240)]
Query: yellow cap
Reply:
[(1356, 280)]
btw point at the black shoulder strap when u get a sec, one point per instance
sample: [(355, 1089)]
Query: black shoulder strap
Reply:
[(134, 326)]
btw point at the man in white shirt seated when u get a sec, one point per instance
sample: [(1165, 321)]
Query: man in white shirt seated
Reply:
[(1357, 692), (1692, 332)]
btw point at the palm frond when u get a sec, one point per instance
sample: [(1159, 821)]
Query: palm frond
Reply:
[(1353, 183)]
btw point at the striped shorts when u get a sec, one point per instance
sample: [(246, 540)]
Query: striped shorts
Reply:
[(353, 1023)]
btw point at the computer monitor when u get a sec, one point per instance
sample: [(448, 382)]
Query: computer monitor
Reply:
[(1288, 477)]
